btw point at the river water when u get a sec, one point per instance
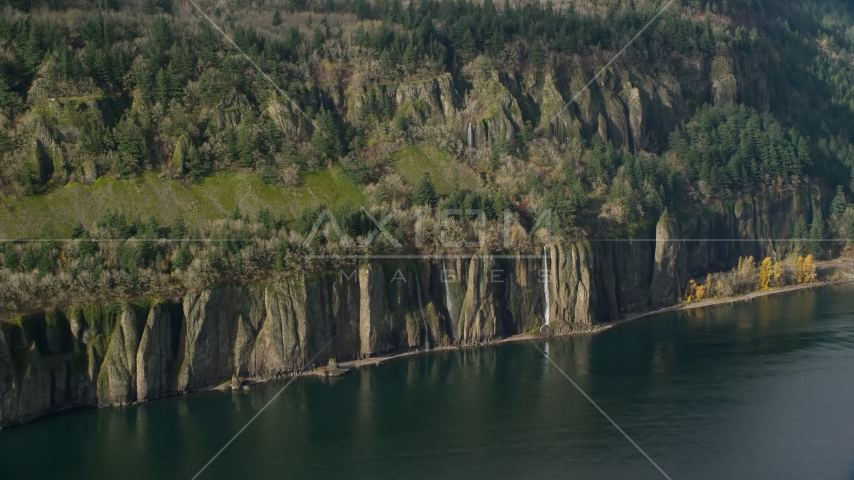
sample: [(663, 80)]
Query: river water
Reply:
[(759, 390)]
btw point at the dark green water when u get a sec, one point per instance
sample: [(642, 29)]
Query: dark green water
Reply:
[(757, 390)]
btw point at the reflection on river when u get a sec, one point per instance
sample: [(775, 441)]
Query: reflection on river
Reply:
[(756, 390)]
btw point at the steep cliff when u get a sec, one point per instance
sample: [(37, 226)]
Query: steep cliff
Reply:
[(154, 355), (571, 287), (670, 273), (116, 380), (118, 354)]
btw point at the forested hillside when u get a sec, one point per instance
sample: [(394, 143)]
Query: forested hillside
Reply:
[(140, 120)]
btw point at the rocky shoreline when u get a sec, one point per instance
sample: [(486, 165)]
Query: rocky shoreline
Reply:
[(380, 358), (351, 365)]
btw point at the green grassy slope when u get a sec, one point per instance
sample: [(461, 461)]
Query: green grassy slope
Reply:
[(212, 199), (413, 160)]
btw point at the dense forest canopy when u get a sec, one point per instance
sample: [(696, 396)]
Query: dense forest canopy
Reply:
[(89, 89), (189, 160)]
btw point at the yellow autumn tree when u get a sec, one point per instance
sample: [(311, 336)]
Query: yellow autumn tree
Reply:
[(806, 270), (765, 273), (720, 289), (695, 292), (777, 273)]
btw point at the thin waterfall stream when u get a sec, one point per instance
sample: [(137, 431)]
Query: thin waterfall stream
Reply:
[(421, 309), (448, 297), (546, 283)]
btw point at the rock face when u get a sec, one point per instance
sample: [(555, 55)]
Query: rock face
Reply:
[(375, 318), (669, 272), (632, 107), (118, 354), (480, 318), (154, 355), (572, 292), (116, 381)]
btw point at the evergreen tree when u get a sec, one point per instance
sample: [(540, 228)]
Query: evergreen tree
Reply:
[(46, 262), (77, 230), (277, 19), (362, 9), (247, 143), (131, 147), (182, 258), (34, 49), (707, 39), (90, 141), (526, 133), (165, 5), (536, 55), (162, 35), (10, 257), (94, 31), (178, 229), (840, 202), (264, 217), (816, 234), (799, 236), (425, 192), (327, 135), (194, 166), (31, 259), (488, 207), (7, 96), (148, 232), (162, 85), (181, 63)]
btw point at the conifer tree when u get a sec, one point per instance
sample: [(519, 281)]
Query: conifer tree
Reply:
[(178, 229), (131, 147), (799, 236), (247, 142), (327, 136), (816, 234), (30, 259), (10, 257), (277, 19), (840, 202), (194, 166), (7, 96), (182, 258), (162, 86), (425, 192), (362, 9), (162, 34)]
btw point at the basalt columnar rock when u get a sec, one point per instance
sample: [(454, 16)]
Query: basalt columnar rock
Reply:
[(669, 274), (120, 353), (154, 355), (116, 380)]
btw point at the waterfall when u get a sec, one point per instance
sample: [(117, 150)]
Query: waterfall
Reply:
[(421, 309), (546, 286), (470, 136), (448, 300)]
